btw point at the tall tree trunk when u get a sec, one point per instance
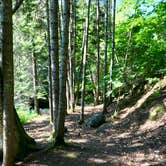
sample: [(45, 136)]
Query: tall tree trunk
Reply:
[(49, 62), (8, 85), (98, 52), (113, 47), (74, 44), (35, 79), (1, 110), (63, 74), (71, 58), (21, 142), (54, 44), (85, 48), (105, 100)]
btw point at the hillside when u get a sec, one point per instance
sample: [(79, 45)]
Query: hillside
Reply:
[(136, 138)]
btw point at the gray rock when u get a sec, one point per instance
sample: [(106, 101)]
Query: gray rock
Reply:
[(104, 128), (96, 120)]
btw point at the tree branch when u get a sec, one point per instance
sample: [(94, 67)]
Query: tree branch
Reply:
[(17, 6)]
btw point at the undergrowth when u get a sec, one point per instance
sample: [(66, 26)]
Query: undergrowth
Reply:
[(26, 116)]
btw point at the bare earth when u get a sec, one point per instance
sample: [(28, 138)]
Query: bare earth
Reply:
[(123, 142)]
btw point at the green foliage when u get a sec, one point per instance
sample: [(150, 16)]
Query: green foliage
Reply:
[(140, 47), (157, 112), (26, 116)]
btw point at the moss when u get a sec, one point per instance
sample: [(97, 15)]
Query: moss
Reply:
[(157, 112)]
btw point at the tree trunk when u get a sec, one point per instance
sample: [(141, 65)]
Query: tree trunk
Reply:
[(21, 142), (105, 100), (8, 85), (63, 74), (35, 79), (113, 47), (1, 111), (49, 62), (71, 59), (85, 48), (14, 134), (98, 53), (54, 44)]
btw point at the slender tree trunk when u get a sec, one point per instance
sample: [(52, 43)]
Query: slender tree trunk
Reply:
[(8, 85), (113, 47), (74, 45), (126, 57), (1, 110), (85, 48), (105, 100), (54, 44), (71, 59), (35, 79), (63, 74), (67, 95), (98, 52), (49, 62)]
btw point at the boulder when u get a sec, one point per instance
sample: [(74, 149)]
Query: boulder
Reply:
[(105, 128), (96, 120)]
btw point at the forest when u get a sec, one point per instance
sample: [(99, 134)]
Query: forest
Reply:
[(83, 82)]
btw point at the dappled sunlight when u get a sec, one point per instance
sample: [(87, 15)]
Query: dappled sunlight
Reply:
[(72, 155), (96, 160), (161, 84), (78, 140), (110, 144)]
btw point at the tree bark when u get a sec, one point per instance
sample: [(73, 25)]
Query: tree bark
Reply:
[(71, 59), (98, 52), (49, 63), (113, 47), (8, 85), (63, 74), (85, 48), (105, 59), (54, 43), (1, 111), (35, 78), (20, 142)]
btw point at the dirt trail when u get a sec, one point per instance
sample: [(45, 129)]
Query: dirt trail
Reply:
[(111, 144)]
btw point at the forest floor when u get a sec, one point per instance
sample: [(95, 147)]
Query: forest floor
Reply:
[(131, 140)]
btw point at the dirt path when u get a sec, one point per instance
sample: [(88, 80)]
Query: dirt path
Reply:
[(111, 144)]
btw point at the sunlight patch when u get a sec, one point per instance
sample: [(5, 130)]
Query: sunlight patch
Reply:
[(96, 160), (79, 140), (71, 155)]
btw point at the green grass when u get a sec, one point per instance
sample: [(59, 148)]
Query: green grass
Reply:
[(26, 116)]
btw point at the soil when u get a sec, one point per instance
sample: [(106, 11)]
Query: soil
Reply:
[(131, 141)]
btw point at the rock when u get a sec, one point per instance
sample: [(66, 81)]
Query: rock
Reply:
[(96, 120), (104, 128)]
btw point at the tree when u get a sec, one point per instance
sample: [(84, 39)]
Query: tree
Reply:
[(105, 99), (59, 139), (8, 84), (71, 57), (98, 51), (35, 78), (16, 142), (113, 47), (84, 57), (49, 62), (54, 46)]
